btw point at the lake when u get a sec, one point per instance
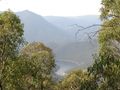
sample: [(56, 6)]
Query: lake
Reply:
[(64, 66)]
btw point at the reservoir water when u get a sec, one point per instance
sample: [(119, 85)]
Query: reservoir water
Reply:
[(65, 66)]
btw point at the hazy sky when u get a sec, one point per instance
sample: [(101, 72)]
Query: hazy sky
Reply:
[(54, 7)]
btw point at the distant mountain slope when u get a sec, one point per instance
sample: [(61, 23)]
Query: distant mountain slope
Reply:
[(69, 24), (58, 33), (80, 52), (38, 29), (67, 21)]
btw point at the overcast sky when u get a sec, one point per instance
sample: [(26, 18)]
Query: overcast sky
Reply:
[(54, 7)]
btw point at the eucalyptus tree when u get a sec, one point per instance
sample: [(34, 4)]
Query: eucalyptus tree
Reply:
[(77, 80), (11, 37), (107, 65), (32, 70)]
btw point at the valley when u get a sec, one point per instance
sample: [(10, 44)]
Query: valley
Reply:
[(58, 33)]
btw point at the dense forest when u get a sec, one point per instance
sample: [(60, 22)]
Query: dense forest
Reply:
[(31, 66)]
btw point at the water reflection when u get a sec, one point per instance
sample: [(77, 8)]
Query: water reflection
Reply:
[(65, 66)]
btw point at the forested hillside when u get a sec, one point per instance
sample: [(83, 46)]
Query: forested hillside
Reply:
[(31, 65)]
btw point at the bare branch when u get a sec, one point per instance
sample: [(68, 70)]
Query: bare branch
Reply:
[(88, 27), (77, 25), (84, 28)]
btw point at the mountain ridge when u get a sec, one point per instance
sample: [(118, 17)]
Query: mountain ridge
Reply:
[(61, 40), (35, 25)]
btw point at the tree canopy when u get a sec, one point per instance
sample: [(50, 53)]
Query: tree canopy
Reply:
[(77, 80), (107, 64), (32, 70), (11, 37), (31, 67)]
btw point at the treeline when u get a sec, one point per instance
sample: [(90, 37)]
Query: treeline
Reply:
[(30, 66)]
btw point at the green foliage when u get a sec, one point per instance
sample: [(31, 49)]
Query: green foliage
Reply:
[(106, 71), (29, 69), (32, 67), (11, 37), (109, 38), (34, 47), (77, 80), (11, 32), (107, 64), (110, 8), (32, 70)]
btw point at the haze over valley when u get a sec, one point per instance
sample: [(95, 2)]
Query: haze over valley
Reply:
[(59, 34)]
